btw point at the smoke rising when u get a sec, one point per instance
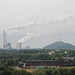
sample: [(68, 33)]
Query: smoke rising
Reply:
[(55, 20), (25, 38), (29, 23)]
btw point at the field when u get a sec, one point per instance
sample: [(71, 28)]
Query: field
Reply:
[(69, 67), (32, 70)]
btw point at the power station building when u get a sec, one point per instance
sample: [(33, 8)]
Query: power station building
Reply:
[(5, 44), (9, 45)]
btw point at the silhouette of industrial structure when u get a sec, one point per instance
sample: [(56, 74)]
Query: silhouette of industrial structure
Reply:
[(4, 40), (5, 44)]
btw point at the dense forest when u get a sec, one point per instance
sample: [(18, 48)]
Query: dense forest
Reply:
[(9, 59)]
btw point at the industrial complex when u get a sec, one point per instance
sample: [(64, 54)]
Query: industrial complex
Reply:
[(7, 45)]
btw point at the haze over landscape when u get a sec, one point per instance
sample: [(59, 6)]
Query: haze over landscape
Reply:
[(37, 37), (37, 23)]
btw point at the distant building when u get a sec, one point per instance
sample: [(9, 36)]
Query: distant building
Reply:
[(4, 40), (57, 49), (27, 47), (70, 58), (8, 45), (65, 52), (51, 52), (42, 63)]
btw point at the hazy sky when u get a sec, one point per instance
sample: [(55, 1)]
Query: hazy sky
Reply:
[(37, 22)]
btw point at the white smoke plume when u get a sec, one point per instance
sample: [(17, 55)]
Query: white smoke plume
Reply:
[(25, 38), (39, 22), (29, 23), (58, 19), (55, 20)]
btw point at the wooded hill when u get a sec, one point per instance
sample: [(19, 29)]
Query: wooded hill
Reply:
[(59, 45)]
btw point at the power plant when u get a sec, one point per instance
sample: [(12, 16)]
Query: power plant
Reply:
[(7, 45)]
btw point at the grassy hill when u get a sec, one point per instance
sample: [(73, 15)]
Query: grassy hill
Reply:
[(59, 45)]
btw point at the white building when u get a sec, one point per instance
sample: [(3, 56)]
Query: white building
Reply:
[(51, 52)]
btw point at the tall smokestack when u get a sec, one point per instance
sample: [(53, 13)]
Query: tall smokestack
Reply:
[(19, 45), (25, 38), (4, 40)]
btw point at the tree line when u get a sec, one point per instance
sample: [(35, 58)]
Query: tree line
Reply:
[(12, 57)]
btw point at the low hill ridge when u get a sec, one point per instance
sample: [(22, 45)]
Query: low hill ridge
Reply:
[(59, 45)]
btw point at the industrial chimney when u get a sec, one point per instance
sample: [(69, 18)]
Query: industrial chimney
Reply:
[(19, 45)]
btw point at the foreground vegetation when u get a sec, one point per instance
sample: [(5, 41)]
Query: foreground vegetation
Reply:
[(10, 71), (46, 71), (54, 71), (12, 57)]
